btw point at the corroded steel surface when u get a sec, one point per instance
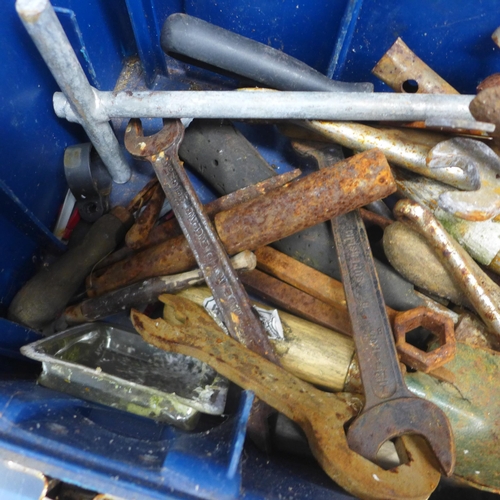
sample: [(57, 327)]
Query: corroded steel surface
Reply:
[(144, 292), (438, 324), (171, 228), (315, 198), (321, 415), (403, 71), (403, 147), (145, 221), (288, 209), (296, 301), (390, 409), (305, 278), (485, 106), (161, 149), (482, 292), (171, 257)]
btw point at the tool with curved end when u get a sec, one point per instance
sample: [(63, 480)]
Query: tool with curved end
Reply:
[(321, 415), (409, 149), (462, 153), (390, 409), (482, 292)]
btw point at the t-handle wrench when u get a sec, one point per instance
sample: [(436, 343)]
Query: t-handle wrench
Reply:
[(390, 409), (161, 149)]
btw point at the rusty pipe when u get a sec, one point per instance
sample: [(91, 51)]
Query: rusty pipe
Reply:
[(307, 202), (171, 228), (303, 203)]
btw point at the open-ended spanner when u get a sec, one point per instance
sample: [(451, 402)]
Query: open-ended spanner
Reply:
[(390, 409), (321, 415), (161, 149)]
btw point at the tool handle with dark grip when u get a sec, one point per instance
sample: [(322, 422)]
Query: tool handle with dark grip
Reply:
[(44, 297), (202, 41)]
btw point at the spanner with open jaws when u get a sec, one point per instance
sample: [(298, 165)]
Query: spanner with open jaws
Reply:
[(390, 409), (161, 149), (321, 415)]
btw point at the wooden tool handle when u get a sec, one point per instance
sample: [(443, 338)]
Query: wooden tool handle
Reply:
[(309, 351)]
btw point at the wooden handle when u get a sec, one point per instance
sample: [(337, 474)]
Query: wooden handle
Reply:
[(309, 351)]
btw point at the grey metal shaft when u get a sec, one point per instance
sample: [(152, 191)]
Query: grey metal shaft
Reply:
[(274, 105), (44, 27)]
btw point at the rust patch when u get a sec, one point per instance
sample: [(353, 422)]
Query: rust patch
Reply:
[(405, 72)]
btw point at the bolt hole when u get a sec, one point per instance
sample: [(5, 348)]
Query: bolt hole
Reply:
[(419, 337), (410, 86)]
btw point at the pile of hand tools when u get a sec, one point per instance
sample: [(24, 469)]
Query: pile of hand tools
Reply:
[(383, 260)]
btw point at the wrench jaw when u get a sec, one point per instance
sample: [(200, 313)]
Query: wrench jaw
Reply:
[(403, 416), (144, 147)]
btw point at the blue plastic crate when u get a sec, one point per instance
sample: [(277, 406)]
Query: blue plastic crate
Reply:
[(108, 450)]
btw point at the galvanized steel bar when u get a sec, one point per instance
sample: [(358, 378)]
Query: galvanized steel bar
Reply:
[(273, 105), (43, 26)]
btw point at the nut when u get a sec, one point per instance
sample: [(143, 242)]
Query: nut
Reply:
[(440, 325)]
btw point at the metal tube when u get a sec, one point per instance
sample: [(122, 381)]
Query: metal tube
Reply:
[(46, 31), (266, 104)]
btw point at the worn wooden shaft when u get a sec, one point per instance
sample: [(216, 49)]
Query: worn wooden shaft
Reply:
[(312, 352), (284, 211)]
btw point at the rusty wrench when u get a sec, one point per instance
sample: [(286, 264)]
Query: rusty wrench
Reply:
[(390, 409), (161, 149), (321, 415)]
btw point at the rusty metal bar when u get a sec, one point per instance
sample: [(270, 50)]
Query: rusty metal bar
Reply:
[(296, 301), (314, 199), (143, 292), (171, 228), (308, 201), (405, 72), (138, 234)]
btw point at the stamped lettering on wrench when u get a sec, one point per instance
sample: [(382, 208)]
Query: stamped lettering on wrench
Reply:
[(161, 150)]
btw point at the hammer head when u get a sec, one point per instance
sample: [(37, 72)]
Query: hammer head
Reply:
[(404, 416), (144, 148)]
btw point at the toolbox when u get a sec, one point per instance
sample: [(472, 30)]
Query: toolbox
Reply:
[(108, 450)]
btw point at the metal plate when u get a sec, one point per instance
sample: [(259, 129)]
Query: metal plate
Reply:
[(115, 367)]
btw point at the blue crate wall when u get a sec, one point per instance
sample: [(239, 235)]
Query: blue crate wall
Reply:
[(343, 38), (33, 138)]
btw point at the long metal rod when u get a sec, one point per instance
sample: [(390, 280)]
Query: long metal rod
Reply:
[(44, 27), (264, 104)]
